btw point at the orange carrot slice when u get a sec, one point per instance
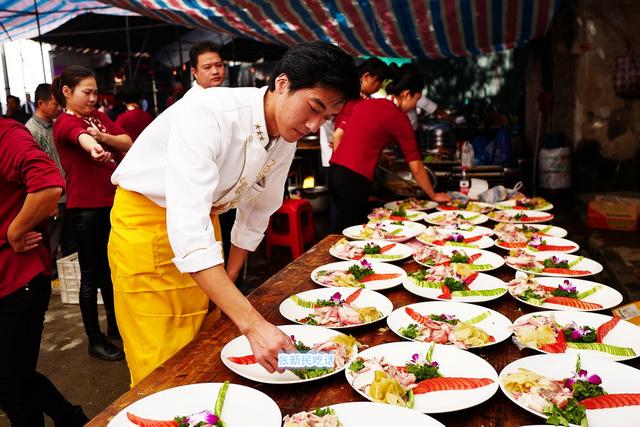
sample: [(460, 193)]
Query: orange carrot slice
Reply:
[(474, 257), (415, 315), (450, 383), (566, 271), (351, 298), (249, 359), (554, 248), (146, 422), (472, 239), (512, 245), (387, 247), (446, 293), (605, 328), (379, 276), (615, 400), (573, 302)]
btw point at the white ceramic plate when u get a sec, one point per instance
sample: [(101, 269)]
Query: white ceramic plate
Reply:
[(412, 215), (478, 207), (374, 285), (606, 296), (448, 217), (398, 252), (509, 216), (624, 334), (373, 414), (483, 281), (453, 363), (425, 205), (616, 378), (489, 259), (571, 246), (402, 233), (292, 311), (194, 398), (510, 204), (483, 243), (309, 335), (495, 324), (548, 230), (585, 264)]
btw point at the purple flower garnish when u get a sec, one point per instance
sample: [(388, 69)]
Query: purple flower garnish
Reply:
[(448, 316), (336, 297), (293, 338), (582, 375), (576, 334), (567, 286), (536, 240), (207, 417), (435, 364), (555, 259), (456, 237), (415, 357), (365, 263)]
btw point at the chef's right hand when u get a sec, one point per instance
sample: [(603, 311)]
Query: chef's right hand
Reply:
[(441, 197), (266, 342)]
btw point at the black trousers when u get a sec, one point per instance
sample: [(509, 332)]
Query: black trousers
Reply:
[(24, 393), (349, 192), (91, 227)]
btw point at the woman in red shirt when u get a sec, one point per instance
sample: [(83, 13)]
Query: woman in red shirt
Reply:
[(368, 126), (89, 143)]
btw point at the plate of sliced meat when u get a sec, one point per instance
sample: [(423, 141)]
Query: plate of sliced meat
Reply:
[(459, 324), (429, 378), (336, 308), (581, 390)]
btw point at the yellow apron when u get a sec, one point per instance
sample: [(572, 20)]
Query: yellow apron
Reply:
[(158, 309)]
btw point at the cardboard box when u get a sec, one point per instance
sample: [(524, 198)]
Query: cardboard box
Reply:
[(629, 312), (612, 215)]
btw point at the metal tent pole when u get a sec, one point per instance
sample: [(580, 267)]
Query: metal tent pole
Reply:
[(44, 72)]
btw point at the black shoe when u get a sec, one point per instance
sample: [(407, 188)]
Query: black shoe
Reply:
[(76, 419), (101, 348), (114, 335)]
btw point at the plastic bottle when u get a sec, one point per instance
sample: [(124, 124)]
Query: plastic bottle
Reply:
[(464, 181)]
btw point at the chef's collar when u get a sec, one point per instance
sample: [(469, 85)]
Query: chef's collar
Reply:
[(258, 124)]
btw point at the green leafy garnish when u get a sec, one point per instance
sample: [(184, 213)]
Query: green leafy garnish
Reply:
[(321, 412), (444, 318), (550, 263), (584, 389), (410, 331), (371, 249), (359, 272), (459, 258), (454, 285), (399, 212), (357, 365), (573, 413), (585, 334)]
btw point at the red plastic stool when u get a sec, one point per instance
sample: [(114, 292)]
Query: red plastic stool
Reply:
[(291, 226)]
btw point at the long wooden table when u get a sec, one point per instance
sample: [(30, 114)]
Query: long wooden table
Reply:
[(200, 361)]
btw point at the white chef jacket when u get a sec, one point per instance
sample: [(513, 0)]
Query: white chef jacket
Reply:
[(206, 153)]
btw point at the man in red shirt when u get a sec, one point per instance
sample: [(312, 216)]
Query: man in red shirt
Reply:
[(30, 186), (134, 120)]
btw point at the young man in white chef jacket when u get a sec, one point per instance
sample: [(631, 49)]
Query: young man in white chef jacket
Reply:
[(217, 149)]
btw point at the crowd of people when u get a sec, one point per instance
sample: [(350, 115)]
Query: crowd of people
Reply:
[(141, 201)]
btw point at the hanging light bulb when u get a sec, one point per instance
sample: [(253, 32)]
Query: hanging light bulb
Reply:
[(309, 182)]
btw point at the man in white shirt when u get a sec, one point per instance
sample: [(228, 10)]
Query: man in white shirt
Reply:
[(214, 150)]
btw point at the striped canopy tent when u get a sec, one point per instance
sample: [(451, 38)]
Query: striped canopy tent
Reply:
[(26, 19), (389, 28)]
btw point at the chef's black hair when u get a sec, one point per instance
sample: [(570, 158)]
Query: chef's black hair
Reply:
[(407, 77), (313, 64), (375, 67)]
